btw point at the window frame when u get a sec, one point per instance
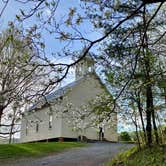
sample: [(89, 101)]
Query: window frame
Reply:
[(50, 121), (37, 127)]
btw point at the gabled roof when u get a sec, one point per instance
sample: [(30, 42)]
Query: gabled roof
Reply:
[(60, 92), (56, 94)]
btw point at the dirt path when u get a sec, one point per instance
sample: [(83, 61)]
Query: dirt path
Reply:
[(94, 155)]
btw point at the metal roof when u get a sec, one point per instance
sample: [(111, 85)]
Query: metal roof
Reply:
[(60, 92), (56, 94)]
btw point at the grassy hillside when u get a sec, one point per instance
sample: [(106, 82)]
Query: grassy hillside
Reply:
[(13, 151), (156, 156)]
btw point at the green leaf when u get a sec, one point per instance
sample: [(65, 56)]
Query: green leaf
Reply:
[(18, 17), (162, 83)]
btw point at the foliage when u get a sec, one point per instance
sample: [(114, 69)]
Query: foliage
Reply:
[(131, 35), (154, 156), (15, 151), (124, 136), (23, 77), (136, 64), (92, 114)]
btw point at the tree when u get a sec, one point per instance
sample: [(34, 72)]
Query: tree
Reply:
[(125, 136), (48, 23), (132, 55), (20, 75), (113, 19)]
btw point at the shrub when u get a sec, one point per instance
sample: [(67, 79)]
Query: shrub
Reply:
[(124, 136)]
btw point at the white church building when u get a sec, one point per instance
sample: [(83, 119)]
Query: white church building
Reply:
[(38, 124)]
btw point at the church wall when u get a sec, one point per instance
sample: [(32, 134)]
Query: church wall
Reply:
[(44, 132), (80, 94), (110, 130)]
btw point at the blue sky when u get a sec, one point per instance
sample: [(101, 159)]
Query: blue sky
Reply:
[(52, 45)]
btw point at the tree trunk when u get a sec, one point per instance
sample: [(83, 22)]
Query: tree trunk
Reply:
[(155, 127), (12, 126), (149, 94), (1, 113), (150, 106), (148, 116), (141, 116), (137, 135), (11, 132), (160, 130), (152, 1)]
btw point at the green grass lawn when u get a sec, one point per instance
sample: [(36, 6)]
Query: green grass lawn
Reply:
[(156, 156), (14, 151)]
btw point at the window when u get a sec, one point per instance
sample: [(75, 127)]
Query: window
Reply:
[(26, 130), (61, 97), (37, 127), (50, 121)]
